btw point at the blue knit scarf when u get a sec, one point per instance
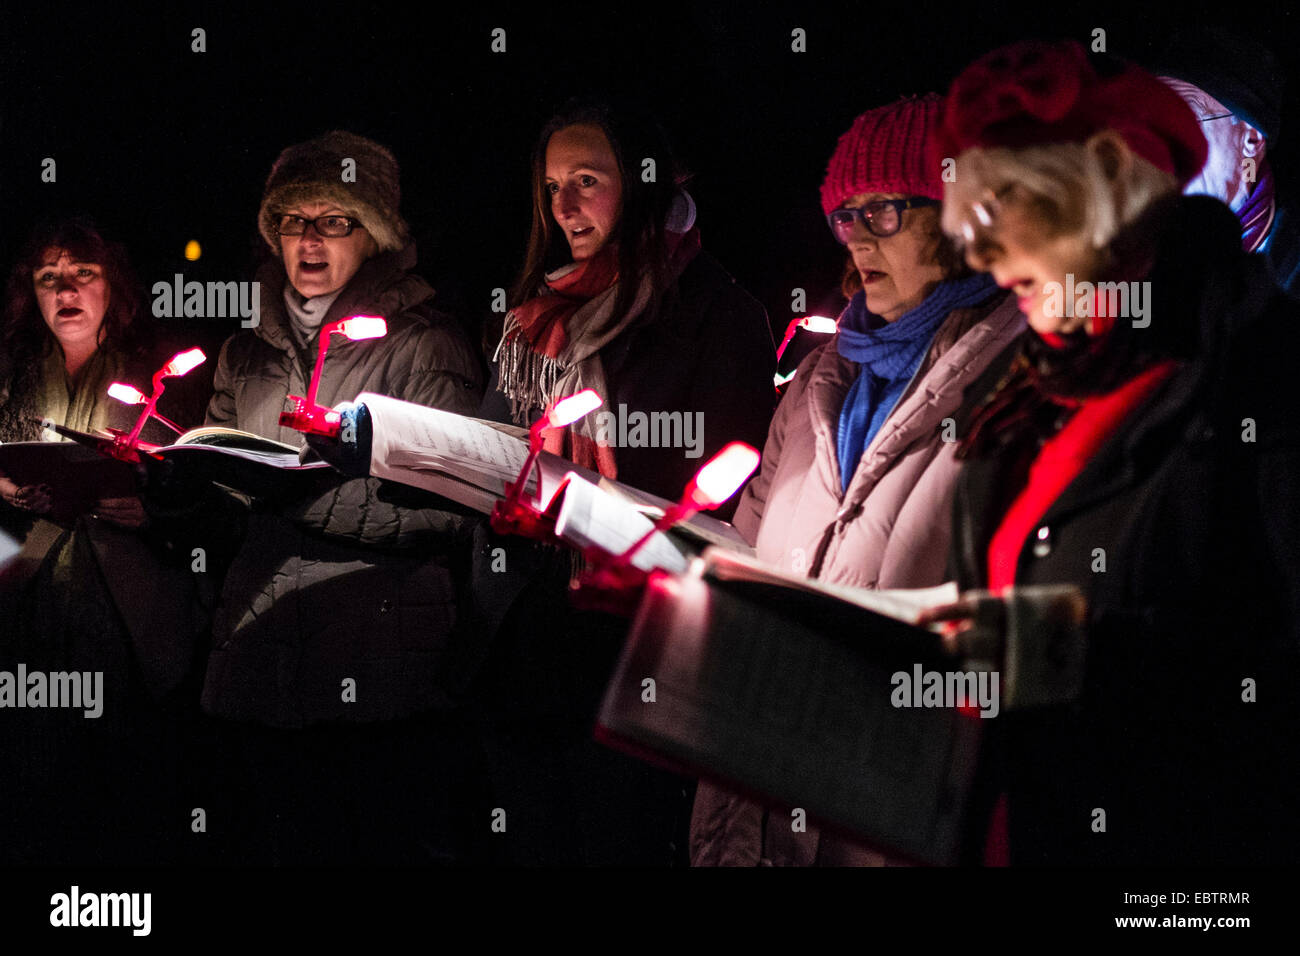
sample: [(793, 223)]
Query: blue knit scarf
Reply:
[(889, 356)]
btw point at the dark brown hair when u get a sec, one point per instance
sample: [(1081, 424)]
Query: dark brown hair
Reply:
[(24, 336), (640, 232)]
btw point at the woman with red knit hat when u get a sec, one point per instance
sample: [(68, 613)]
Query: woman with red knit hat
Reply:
[(1129, 508), (857, 478)]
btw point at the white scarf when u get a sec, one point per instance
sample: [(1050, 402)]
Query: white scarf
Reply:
[(306, 315)]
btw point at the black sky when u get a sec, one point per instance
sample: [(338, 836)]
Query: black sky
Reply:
[(162, 145)]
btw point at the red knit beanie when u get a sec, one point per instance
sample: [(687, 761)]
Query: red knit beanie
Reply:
[(886, 151), (1034, 92)]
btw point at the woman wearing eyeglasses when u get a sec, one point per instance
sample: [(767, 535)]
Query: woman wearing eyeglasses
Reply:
[(339, 607), (1128, 516), (858, 471), (340, 248)]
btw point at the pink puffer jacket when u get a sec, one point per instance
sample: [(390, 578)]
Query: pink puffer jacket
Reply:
[(890, 530)]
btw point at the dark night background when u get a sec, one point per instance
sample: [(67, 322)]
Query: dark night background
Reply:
[(162, 145)]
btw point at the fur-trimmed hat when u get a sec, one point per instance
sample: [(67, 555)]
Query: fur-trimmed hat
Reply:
[(314, 172)]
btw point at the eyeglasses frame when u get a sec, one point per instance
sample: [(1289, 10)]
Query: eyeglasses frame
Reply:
[(899, 205), (311, 224)]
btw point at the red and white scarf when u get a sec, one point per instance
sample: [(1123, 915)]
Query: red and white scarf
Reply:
[(552, 343)]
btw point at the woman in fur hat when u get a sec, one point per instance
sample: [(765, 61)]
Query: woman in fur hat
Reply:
[(338, 609), (1129, 507)]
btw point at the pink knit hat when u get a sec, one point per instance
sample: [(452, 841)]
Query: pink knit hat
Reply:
[(886, 151)]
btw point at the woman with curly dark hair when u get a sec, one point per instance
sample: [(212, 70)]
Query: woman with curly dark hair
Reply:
[(70, 328), (94, 594)]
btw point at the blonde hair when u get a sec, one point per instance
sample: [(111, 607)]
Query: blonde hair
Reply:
[(1067, 179)]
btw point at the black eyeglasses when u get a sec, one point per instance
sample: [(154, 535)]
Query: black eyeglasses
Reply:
[(1206, 119), (330, 227), (884, 217)]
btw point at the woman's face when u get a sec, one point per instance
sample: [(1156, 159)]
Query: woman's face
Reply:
[(317, 265), (897, 271), (585, 187), (1016, 237), (72, 296)]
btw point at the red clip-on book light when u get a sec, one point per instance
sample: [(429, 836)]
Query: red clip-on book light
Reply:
[(307, 416), (614, 583), (126, 445), (513, 515)]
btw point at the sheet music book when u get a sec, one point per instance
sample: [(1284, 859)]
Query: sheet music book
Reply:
[(77, 476), (80, 472), (784, 692), (471, 461)]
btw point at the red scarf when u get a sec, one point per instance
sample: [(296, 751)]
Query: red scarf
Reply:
[(544, 319), (552, 344)]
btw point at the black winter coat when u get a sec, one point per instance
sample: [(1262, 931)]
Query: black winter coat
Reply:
[(576, 802), (710, 351), (1194, 502)]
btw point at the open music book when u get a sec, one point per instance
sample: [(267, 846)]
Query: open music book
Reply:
[(471, 461), (785, 689), (81, 471), (77, 476)]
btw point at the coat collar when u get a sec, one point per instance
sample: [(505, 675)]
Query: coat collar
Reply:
[(382, 285), (923, 406), (1217, 297)]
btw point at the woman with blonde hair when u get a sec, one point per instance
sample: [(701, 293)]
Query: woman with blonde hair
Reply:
[(1127, 525)]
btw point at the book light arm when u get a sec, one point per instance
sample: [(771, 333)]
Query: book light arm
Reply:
[(513, 515), (308, 417), (613, 583), (127, 446)]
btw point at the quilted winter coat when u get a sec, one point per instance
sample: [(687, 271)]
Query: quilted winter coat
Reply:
[(357, 580), (891, 528)]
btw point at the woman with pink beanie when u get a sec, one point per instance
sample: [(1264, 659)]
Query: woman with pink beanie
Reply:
[(858, 472)]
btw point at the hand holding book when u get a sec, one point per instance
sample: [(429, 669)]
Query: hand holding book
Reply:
[(34, 498), (1036, 635)]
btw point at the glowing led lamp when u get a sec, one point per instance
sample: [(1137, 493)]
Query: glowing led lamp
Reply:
[(713, 484), (309, 417), (564, 412), (184, 362), (126, 394), (130, 395), (180, 363), (819, 324), (719, 479)]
